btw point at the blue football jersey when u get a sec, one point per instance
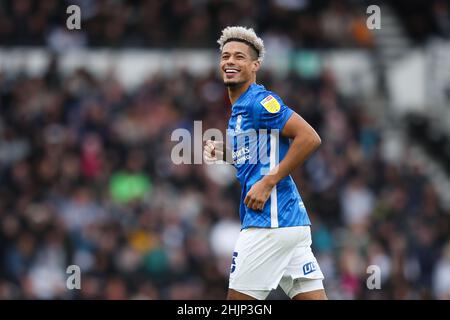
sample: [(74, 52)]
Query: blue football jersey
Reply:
[(254, 136)]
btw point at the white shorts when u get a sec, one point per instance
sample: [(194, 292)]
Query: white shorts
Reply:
[(265, 258)]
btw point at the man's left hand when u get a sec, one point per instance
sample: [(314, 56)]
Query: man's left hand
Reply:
[(258, 194)]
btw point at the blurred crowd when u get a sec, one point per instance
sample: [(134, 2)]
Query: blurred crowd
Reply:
[(181, 23), (423, 19), (86, 178)]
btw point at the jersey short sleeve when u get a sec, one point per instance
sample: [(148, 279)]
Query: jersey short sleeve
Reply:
[(270, 112)]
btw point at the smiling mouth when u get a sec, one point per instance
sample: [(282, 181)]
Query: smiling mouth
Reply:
[(231, 71)]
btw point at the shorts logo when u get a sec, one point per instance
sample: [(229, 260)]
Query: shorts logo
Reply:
[(233, 262), (271, 104), (308, 268)]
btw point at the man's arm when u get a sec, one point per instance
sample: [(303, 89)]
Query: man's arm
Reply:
[(305, 141)]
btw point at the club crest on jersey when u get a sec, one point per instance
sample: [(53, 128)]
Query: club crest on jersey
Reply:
[(271, 104), (238, 124)]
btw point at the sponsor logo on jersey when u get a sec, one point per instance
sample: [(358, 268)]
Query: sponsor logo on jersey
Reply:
[(242, 155)]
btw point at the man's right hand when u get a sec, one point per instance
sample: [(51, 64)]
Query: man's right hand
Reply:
[(213, 151)]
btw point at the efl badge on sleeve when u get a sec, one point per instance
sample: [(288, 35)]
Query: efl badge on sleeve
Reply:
[(271, 104)]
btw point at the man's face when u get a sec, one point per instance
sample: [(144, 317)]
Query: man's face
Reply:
[(238, 63)]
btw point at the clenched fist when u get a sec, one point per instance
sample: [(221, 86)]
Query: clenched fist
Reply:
[(213, 151)]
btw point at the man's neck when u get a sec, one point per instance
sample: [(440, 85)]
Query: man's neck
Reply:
[(235, 92)]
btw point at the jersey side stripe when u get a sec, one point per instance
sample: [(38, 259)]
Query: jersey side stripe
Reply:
[(273, 194)]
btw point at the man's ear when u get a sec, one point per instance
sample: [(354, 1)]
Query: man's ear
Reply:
[(256, 65)]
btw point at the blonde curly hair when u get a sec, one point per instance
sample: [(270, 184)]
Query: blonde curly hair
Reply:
[(243, 34)]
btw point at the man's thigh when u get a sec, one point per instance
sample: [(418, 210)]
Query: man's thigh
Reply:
[(260, 260)]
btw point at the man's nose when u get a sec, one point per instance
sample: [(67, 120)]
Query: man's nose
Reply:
[(230, 61)]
